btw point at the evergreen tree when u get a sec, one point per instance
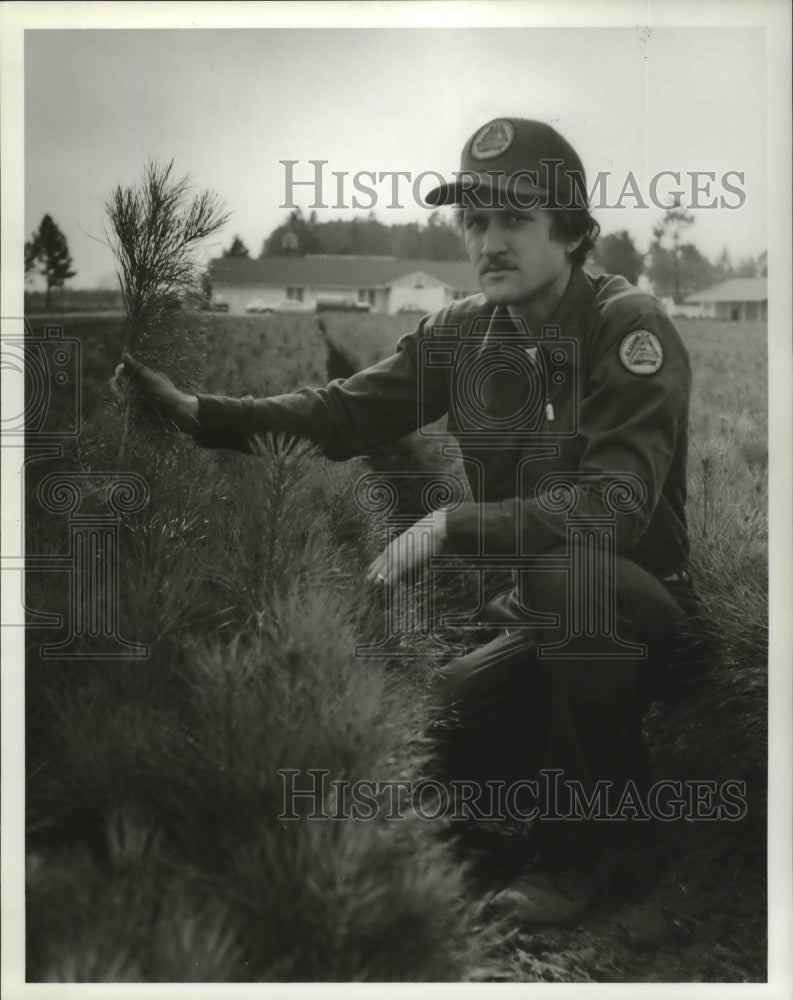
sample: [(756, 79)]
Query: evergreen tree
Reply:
[(237, 249), (617, 254), (31, 253), (440, 240), (680, 275), (48, 248), (668, 239), (724, 268), (748, 267), (696, 271)]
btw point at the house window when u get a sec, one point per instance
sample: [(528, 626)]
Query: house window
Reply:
[(418, 282), (366, 295), (295, 294)]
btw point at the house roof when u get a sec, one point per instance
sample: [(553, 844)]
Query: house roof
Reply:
[(337, 271), (734, 290)]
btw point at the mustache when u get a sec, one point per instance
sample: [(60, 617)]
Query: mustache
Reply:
[(494, 265)]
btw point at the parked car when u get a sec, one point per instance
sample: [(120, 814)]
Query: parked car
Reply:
[(285, 306), (411, 307), (293, 306), (258, 306), (218, 304)]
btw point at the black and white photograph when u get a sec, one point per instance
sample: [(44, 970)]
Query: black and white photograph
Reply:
[(396, 530)]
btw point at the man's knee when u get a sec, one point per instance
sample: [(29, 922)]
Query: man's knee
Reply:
[(592, 587)]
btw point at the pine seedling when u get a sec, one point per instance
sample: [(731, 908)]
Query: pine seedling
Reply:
[(156, 231)]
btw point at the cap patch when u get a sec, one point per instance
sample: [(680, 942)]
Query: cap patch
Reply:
[(641, 352), (492, 139)]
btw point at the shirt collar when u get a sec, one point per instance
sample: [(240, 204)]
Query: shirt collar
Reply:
[(573, 304)]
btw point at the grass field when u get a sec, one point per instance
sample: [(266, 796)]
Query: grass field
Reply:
[(154, 848), (73, 300)]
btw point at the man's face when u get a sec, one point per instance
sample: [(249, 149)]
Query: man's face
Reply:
[(516, 259)]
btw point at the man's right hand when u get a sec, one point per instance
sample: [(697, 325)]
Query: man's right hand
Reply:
[(171, 408)]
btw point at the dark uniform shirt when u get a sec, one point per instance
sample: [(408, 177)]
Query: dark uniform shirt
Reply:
[(600, 395)]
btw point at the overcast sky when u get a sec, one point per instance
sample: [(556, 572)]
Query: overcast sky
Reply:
[(228, 105)]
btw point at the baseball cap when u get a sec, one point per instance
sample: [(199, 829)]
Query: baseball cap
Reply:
[(515, 163)]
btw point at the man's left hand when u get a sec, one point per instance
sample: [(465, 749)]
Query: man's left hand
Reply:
[(409, 552)]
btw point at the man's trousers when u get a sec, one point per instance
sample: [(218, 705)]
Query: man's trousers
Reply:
[(517, 707)]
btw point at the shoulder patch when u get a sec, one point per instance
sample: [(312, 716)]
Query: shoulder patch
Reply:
[(641, 352)]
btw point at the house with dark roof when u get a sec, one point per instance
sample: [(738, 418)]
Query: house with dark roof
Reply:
[(734, 299), (385, 284)]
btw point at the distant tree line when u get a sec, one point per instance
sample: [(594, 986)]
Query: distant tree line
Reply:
[(299, 235), (673, 265)]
